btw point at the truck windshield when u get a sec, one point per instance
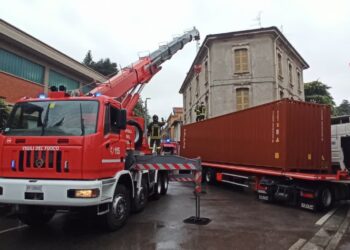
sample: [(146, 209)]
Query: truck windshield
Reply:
[(50, 118)]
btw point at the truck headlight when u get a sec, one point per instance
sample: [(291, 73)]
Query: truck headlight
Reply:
[(83, 193)]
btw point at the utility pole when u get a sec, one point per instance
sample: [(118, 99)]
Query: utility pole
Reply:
[(146, 112)]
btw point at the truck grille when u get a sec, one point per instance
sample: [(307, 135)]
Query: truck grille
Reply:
[(40, 160)]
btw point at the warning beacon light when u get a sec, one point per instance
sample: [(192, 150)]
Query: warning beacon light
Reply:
[(42, 96)]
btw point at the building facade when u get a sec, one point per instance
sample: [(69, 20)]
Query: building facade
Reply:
[(236, 70), (29, 67), (174, 122)]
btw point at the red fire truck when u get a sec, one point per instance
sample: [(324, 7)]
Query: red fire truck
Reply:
[(78, 152)]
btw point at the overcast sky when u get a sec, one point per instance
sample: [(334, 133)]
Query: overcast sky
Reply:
[(120, 30)]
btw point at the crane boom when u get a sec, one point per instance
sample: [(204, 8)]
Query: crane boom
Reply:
[(128, 83)]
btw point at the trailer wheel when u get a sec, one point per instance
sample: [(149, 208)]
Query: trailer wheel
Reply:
[(140, 200), (119, 209), (164, 183), (35, 215), (209, 175), (325, 198)]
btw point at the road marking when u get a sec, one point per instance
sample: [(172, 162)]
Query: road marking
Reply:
[(339, 235), (325, 217), (297, 245), (12, 229)]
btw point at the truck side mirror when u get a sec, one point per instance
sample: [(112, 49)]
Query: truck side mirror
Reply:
[(121, 119)]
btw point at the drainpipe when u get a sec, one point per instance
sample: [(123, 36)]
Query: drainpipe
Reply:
[(276, 66), (209, 79)]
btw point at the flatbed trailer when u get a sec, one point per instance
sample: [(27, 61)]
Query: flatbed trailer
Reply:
[(312, 191)]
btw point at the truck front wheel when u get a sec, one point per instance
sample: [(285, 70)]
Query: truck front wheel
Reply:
[(119, 209), (35, 215)]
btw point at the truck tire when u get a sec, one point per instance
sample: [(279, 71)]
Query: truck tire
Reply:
[(157, 187), (140, 200), (325, 198), (35, 215), (209, 175), (164, 183), (139, 133), (119, 209)]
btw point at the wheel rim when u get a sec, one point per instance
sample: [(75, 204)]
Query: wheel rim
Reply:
[(208, 175), (326, 198), (142, 196), (166, 182), (159, 186), (119, 207)]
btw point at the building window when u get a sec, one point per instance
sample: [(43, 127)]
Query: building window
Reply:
[(57, 79), (299, 80), (241, 61), (279, 57), (281, 94), (197, 85), (290, 74), (242, 98), (21, 67), (190, 96), (206, 72)]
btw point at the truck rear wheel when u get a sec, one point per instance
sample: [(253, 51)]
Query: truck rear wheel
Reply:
[(161, 187), (140, 200), (209, 175), (119, 209), (164, 183), (325, 198), (35, 215)]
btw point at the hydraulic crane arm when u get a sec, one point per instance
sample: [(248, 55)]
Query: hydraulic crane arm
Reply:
[(128, 83)]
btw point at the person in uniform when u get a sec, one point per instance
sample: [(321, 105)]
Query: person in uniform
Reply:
[(154, 131)]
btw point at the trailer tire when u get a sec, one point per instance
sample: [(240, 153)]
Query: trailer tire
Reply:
[(119, 209), (164, 183), (325, 198), (140, 201), (209, 175), (35, 215)]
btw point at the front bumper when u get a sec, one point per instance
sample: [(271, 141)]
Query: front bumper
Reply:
[(53, 192)]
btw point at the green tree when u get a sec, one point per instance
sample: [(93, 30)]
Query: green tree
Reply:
[(103, 66), (343, 108), (317, 92), (4, 114), (140, 110)]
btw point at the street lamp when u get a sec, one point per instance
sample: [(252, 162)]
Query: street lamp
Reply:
[(146, 118)]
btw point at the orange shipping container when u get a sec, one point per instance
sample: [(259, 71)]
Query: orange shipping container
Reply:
[(288, 135)]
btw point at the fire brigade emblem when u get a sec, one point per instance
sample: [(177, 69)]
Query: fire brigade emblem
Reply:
[(39, 163)]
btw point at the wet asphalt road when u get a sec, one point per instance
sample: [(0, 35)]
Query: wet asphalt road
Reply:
[(239, 221)]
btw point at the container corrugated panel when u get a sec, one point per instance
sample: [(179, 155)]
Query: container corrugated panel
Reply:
[(285, 134)]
